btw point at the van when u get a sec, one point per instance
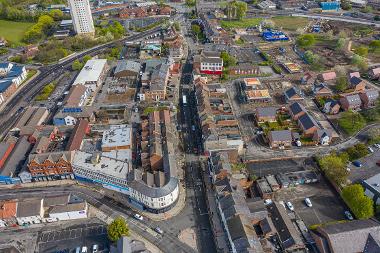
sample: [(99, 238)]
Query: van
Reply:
[(84, 249), (77, 250)]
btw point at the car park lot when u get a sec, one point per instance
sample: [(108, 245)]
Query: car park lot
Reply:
[(326, 205), (368, 168), (68, 239)]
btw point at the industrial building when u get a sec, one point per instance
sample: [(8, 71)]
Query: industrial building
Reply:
[(92, 74)]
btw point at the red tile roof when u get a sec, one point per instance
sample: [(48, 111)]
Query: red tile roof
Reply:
[(77, 136), (8, 209)]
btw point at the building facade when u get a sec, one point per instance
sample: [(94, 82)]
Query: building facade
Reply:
[(82, 18)]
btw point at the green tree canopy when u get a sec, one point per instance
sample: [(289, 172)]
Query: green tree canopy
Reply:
[(76, 65), (117, 229), (341, 84), (358, 202), (306, 40), (360, 62), (334, 166), (374, 46), (236, 10), (228, 60), (362, 51), (351, 122), (357, 151), (340, 43), (56, 14)]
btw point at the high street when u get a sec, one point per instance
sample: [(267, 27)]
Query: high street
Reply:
[(13, 108)]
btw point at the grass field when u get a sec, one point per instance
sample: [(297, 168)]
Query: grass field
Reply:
[(290, 23), (13, 31), (247, 22)]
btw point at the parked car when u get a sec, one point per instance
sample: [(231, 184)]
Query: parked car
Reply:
[(377, 145), (308, 202), (290, 206), (370, 149), (84, 249), (159, 230), (357, 163), (348, 215), (138, 216), (95, 248), (378, 163)]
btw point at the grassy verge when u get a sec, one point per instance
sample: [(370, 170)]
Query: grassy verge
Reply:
[(151, 109), (247, 22), (13, 31), (46, 91), (290, 23)]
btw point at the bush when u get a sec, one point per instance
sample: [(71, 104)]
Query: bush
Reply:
[(358, 202), (306, 40), (46, 91)]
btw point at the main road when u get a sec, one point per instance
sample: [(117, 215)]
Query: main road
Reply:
[(12, 110)]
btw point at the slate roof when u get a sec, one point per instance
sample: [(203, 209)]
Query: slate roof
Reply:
[(353, 236), (30, 207), (296, 108), (355, 81), (282, 135), (290, 93), (128, 65), (353, 99), (266, 111), (372, 95), (307, 121)]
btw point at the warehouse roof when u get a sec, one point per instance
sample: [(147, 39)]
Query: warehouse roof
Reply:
[(91, 72)]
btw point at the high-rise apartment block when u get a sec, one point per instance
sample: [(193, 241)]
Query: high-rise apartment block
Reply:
[(82, 18)]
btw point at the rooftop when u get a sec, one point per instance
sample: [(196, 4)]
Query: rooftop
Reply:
[(91, 72), (116, 136)]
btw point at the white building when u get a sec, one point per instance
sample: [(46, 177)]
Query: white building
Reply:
[(69, 212), (119, 176), (117, 137), (92, 74), (30, 211), (82, 18), (372, 188)]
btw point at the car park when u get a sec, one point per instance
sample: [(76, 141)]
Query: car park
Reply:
[(138, 216), (308, 202), (290, 206), (348, 215)]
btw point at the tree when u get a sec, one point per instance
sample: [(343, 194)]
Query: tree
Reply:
[(306, 40), (360, 62), (117, 229), (357, 151), (236, 10), (334, 167), (228, 60), (351, 122), (190, 3), (340, 44), (56, 14), (76, 65), (86, 58), (357, 201), (362, 51), (374, 46), (367, 9), (176, 26), (345, 5), (341, 84)]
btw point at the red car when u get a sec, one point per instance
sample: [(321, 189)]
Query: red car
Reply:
[(378, 163)]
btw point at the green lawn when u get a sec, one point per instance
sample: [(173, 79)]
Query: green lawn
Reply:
[(290, 23), (13, 31), (247, 22)]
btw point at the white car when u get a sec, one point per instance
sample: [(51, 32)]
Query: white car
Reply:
[(138, 216), (84, 249), (95, 248), (370, 149), (308, 202), (377, 145), (290, 206)]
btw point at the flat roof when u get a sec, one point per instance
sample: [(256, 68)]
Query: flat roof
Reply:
[(103, 165), (91, 72), (117, 135)]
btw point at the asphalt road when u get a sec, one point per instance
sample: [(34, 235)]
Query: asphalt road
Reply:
[(12, 111)]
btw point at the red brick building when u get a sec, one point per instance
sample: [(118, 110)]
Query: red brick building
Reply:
[(50, 165)]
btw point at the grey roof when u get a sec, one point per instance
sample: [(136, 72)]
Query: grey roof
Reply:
[(353, 99), (324, 132), (29, 207), (372, 94), (56, 200), (281, 135), (126, 245), (266, 111), (286, 230), (155, 192), (211, 54), (17, 157), (3, 148), (212, 60), (296, 108), (319, 86), (128, 65), (68, 208), (307, 121), (353, 236)]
